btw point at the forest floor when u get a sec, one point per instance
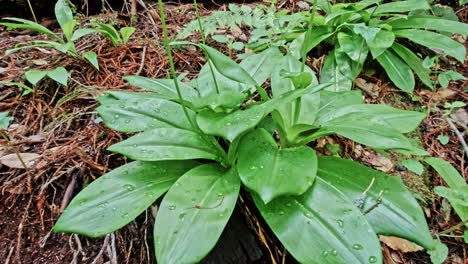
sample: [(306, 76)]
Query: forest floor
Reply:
[(60, 125)]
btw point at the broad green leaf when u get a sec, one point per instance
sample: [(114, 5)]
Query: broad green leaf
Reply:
[(301, 111), (322, 226), (313, 37), (109, 31), (116, 198), (234, 124), (194, 213), (260, 66), (79, 33), (206, 85), (34, 76), (447, 76), (166, 144), (450, 175), (434, 41), (224, 101), (337, 70), (429, 22), (372, 134), (414, 166), (398, 214), (113, 97), (140, 114), (126, 33), (65, 48), (228, 67), (63, 13), (273, 172), (221, 38), (458, 198), (439, 253), (368, 33), (382, 41), (68, 29), (165, 88), (59, 75), (331, 101), (397, 70), (403, 121), (414, 62), (5, 120), (400, 7), (91, 56), (354, 46), (27, 24)]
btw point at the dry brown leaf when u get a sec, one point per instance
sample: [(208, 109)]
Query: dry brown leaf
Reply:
[(13, 161), (460, 117), (400, 244), (376, 160)]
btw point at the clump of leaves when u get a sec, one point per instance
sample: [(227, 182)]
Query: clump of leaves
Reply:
[(365, 28), (117, 38), (264, 23), (201, 141), (456, 192), (64, 16)]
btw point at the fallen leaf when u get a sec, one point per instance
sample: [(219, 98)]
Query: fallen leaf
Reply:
[(40, 62), (460, 117), (12, 160), (400, 244), (378, 161), (303, 5)]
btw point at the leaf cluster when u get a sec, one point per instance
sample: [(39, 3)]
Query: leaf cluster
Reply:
[(202, 149)]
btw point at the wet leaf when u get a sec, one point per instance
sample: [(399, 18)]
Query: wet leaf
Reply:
[(329, 227), (116, 198), (194, 213), (272, 172), (398, 214)]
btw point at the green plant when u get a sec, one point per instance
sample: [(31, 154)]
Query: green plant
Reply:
[(58, 74), (199, 141), (64, 16), (381, 30), (5, 120), (116, 37), (457, 191), (264, 23)]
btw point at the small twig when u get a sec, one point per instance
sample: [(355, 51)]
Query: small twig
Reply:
[(453, 228), (20, 231), (142, 63), (68, 193), (104, 246), (458, 133), (12, 249), (113, 256), (377, 203)]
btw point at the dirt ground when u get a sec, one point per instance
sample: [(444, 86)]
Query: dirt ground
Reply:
[(59, 124)]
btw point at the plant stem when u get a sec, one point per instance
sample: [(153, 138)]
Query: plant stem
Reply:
[(453, 228), (202, 32), (167, 46), (304, 56), (171, 62), (32, 11)]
